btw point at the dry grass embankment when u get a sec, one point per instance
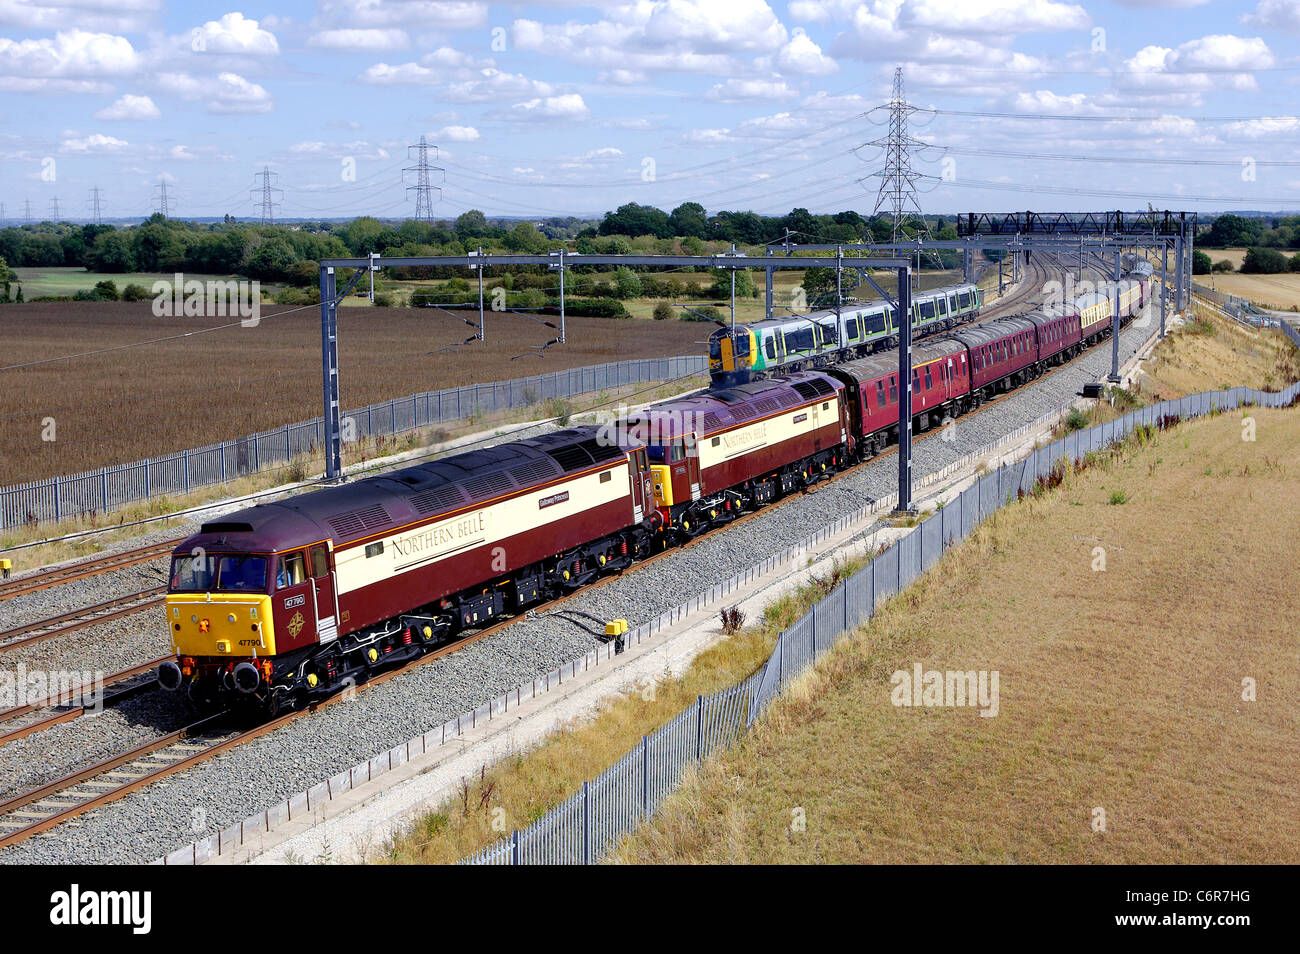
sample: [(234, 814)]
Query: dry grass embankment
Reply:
[(1120, 690)]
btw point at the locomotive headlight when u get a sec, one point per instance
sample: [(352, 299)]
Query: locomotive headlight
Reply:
[(230, 618)]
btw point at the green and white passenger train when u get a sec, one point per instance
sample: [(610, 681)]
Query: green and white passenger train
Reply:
[(820, 339)]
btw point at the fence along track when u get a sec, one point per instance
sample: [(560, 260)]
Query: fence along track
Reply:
[(585, 827)]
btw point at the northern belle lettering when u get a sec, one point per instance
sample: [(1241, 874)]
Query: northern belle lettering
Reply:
[(430, 541), (745, 436)]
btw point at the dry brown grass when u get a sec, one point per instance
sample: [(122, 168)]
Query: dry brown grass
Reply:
[(1279, 292), (143, 402), (1217, 353), (530, 783), (1119, 690)]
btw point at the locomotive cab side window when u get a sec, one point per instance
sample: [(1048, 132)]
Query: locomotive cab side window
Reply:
[(291, 570), (769, 347), (320, 564)]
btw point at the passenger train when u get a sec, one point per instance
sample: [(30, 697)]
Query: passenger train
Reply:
[(283, 602)]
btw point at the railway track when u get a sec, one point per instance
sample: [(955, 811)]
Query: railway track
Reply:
[(57, 576), (78, 619), (72, 703)]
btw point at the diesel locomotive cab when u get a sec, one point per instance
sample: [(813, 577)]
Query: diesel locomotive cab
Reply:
[(231, 614)]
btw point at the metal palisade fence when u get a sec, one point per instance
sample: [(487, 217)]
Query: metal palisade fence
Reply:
[(106, 489), (584, 828)]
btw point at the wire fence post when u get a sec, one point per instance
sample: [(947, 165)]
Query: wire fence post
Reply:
[(514, 847), (586, 823), (645, 776), (699, 728)]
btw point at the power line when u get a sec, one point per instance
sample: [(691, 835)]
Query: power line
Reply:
[(27, 211), (424, 186), (980, 114), (1136, 160), (266, 192)]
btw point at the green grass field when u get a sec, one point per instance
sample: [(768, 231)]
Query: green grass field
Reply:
[(68, 281)]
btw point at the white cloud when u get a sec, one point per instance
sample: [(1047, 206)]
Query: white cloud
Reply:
[(444, 14), (1275, 15), (802, 55), (405, 74), (364, 39), (738, 90), (130, 107), (119, 16), (994, 16), (566, 106), (457, 134), (1261, 127), (237, 35), (95, 142), (623, 77), (73, 53), (492, 85), (229, 93)]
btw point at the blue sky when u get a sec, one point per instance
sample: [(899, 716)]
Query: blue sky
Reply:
[(558, 108)]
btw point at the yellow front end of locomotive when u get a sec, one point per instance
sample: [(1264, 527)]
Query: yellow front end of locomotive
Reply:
[(204, 624), (661, 479)]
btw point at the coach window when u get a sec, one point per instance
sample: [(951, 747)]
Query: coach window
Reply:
[(320, 565), (290, 572), (880, 394), (893, 389), (929, 378)]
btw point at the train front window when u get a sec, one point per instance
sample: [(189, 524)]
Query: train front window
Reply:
[(245, 574), (655, 452), (193, 574), (741, 343)]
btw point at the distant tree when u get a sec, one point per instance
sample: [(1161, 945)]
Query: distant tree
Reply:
[(134, 292), (19, 297), (1223, 265), (271, 261), (688, 219), (525, 238), (692, 245), (1293, 263), (626, 283), (106, 290), (634, 219), (1263, 261), (1201, 264), (1230, 231), (471, 225), (663, 311)]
